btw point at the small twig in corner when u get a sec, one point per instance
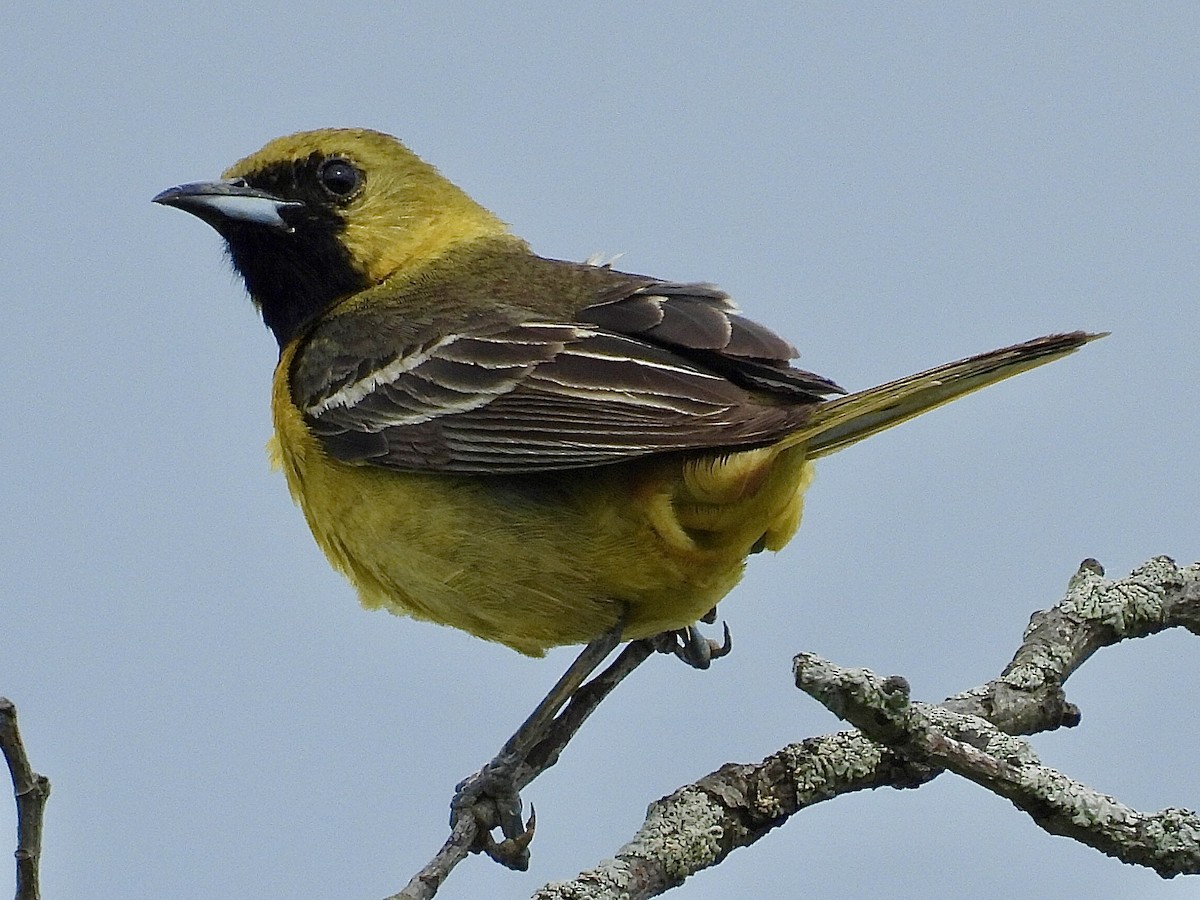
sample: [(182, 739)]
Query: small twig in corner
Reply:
[(31, 791)]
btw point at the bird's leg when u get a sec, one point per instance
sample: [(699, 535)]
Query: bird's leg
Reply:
[(492, 795)]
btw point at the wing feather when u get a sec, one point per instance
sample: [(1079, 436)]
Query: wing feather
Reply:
[(662, 367)]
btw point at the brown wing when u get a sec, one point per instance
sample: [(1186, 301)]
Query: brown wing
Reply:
[(664, 367), (701, 323)]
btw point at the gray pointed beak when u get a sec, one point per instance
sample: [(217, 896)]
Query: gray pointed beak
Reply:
[(223, 203)]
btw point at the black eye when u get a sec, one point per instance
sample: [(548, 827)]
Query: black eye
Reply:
[(339, 177)]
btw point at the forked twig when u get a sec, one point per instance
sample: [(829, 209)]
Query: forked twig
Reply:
[(701, 823)]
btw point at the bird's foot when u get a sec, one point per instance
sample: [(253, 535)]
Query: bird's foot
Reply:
[(693, 647), (491, 797)]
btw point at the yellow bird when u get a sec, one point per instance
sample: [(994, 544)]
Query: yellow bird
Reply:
[(531, 450)]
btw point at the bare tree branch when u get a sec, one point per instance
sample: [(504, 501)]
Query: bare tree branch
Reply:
[(31, 791), (1168, 841), (899, 744), (699, 824), (1027, 697)]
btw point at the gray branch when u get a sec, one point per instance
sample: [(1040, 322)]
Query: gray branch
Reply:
[(902, 744), (1167, 841), (31, 791)]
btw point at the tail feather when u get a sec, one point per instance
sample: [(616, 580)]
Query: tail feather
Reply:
[(846, 420)]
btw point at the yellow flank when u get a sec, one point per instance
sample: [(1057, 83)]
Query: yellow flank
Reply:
[(537, 562)]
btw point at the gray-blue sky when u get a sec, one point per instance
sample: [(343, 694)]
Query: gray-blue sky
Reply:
[(889, 185)]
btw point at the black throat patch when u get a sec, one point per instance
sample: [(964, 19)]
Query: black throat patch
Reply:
[(294, 276)]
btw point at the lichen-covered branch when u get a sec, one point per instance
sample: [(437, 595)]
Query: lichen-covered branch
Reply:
[(700, 824), (31, 791), (1167, 841), (1096, 612), (970, 733)]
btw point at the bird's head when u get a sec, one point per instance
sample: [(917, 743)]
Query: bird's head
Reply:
[(316, 216)]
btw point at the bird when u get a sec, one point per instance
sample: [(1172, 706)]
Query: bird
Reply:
[(535, 451), (538, 452)]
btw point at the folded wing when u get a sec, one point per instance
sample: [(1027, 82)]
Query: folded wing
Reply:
[(666, 367)]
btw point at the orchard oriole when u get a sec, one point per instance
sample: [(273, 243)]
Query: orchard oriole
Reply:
[(535, 451)]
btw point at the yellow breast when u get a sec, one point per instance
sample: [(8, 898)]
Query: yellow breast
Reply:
[(542, 560)]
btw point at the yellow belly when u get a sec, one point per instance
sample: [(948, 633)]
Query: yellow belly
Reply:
[(539, 561)]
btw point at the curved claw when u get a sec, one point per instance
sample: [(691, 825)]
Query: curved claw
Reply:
[(689, 645), (725, 647), (490, 798), (513, 851)]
